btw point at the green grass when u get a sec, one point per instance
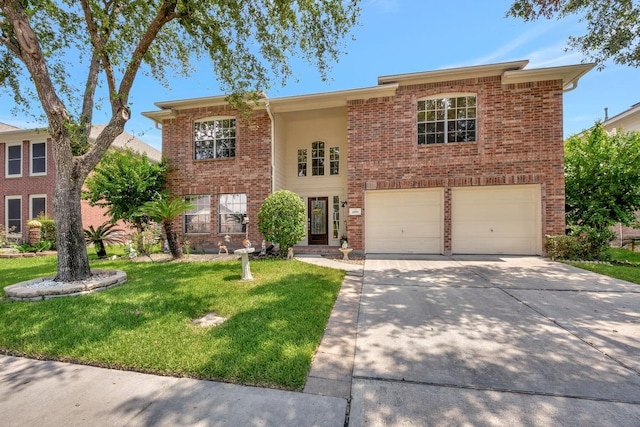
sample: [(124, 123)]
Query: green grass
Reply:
[(274, 322), (630, 273)]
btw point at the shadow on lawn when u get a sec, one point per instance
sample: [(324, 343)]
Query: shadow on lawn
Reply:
[(273, 326)]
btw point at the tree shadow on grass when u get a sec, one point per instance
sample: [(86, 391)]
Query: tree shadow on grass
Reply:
[(273, 327)]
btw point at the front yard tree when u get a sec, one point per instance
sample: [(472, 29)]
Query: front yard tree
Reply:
[(110, 42), (281, 219), (123, 181), (601, 178), (612, 26)]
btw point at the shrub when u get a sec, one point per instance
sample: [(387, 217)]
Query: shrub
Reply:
[(42, 245), (281, 219), (48, 230), (105, 234), (581, 244), (148, 240)]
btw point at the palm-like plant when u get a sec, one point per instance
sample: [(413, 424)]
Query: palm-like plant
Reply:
[(165, 211), (105, 234)]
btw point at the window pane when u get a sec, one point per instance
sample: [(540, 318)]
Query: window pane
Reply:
[(334, 165), (14, 215), (214, 139), (232, 211), (317, 158), (198, 219), (38, 206), (446, 120), (14, 160)]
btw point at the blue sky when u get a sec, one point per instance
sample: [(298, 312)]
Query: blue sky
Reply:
[(403, 36)]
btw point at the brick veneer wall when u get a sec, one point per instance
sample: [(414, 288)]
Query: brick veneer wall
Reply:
[(519, 141), (26, 185), (249, 172)]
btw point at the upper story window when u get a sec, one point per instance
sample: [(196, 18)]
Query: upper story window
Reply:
[(14, 160), (214, 139), (302, 162), (321, 157), (317, 158), (232, 211), (198, 219), (38, 158), (445, 120)]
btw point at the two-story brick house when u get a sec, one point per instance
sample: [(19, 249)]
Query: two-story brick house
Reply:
[(27, 176), (465, 160)]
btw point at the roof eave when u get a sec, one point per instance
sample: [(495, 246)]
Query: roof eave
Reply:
[(460, 73), (569, 74)]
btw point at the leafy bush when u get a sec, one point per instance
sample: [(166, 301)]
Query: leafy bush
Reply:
[(148, 240), (48, 230), (582, 244), (281, 219), (42, 245)]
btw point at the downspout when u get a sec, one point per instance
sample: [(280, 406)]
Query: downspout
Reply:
[(273, 147)]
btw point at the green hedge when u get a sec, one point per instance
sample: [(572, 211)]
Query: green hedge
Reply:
[(48, 230), (581, 244)]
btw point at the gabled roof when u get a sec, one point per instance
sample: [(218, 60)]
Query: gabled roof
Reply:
[(630, 116), (5, 127), (510, 72)]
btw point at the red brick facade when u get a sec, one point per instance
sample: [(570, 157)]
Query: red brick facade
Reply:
[(248, 173), (519, 141)]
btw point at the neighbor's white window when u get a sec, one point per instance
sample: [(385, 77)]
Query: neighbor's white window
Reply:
[(445, 120), (214, 138), (198, 219), (37, 205), (38, 158), (232, 211), (302, 162), (13, 214), (13, 155), (334, 161)]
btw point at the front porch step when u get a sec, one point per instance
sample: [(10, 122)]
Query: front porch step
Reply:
[(316, 250)]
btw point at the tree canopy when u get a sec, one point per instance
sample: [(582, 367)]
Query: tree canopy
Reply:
[(602, 178), (109, 42), (612, 26), (123, 181)]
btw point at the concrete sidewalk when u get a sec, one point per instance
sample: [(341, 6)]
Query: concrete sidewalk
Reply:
[(42, 393)]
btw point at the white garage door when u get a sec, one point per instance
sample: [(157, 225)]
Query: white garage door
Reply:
[(404, 221), (496, 220)]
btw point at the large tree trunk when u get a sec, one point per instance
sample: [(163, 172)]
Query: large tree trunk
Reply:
[(73, 262)]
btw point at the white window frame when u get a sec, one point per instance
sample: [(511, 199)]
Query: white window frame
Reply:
[(17, 232), (318, 163), (6, 162), (37, 196), (31, 172), (215, 141), (446, 119), (243, 224), (194, 212)]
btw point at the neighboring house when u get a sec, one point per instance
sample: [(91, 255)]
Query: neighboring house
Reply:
[(464, 160), (628, 120), (27, 176)]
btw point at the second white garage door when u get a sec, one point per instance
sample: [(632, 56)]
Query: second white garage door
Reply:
[(404, 221), (496, 220)]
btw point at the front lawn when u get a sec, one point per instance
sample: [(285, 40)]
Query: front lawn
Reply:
[(629, 272), (274, 322)]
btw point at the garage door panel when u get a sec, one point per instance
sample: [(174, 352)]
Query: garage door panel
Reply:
[(403, 221), (496, 220)]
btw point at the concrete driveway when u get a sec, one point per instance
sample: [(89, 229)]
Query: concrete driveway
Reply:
[(490, 341)]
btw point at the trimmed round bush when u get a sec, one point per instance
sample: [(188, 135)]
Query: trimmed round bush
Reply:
[(281, 219)]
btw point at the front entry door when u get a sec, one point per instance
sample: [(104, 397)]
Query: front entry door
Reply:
[(317, 221)]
